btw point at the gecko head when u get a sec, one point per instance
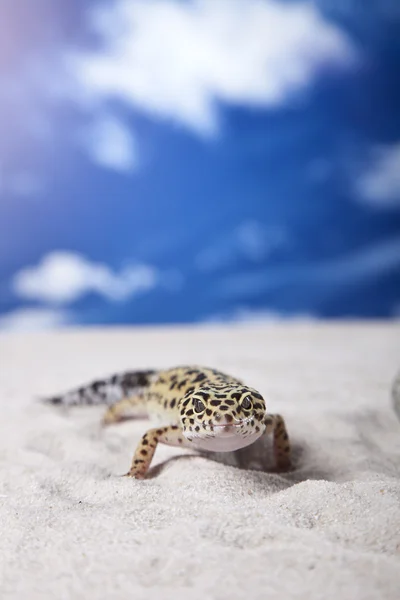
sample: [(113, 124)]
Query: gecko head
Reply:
[(222, 418)]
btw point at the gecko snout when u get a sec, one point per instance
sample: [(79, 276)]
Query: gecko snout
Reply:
[(223, 420)]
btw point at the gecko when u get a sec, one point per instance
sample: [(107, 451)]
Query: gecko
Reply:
[(195, 407)]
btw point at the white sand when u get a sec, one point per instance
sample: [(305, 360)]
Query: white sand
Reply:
[(200, 529)]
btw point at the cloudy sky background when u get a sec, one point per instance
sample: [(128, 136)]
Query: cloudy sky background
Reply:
[(195, 161)]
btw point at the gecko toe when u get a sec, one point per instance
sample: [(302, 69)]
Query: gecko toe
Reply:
[(135, 475)]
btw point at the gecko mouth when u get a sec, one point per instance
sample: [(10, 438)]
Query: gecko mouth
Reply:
[(223, 428), (229, 425), (232, 426), (224, 437)]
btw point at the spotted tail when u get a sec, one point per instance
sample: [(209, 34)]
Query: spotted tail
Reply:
[(106, 391)]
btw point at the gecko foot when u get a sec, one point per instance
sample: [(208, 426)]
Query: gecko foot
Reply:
[(135, 474)]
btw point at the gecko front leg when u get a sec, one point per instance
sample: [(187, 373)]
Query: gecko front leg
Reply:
[(275, 424), (171, 435)]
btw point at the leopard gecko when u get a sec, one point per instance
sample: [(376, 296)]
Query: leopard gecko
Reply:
[(196, 407)]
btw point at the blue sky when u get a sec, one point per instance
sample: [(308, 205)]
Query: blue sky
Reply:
[(177, 161)]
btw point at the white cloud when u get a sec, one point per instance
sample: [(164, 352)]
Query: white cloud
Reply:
[(110, 144), (379, 185), (360, 267), (175, 59), (34, 319), (63, 277), (251, 240)]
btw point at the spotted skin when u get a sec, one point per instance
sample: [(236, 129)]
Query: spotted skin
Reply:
[(171, 435), (196, 407)]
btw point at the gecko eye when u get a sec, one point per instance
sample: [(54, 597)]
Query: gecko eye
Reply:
[(247, 403), (198, 406)]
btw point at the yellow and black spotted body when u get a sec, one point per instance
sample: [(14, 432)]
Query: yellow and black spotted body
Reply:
[(195, 407)]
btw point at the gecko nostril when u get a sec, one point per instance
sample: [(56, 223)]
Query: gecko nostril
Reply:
[(217, 416), (228, 418)]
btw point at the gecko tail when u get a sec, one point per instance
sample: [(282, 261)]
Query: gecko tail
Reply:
[(105, 391)]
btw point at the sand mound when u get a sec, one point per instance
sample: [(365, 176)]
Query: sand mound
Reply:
[(219, 527)]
